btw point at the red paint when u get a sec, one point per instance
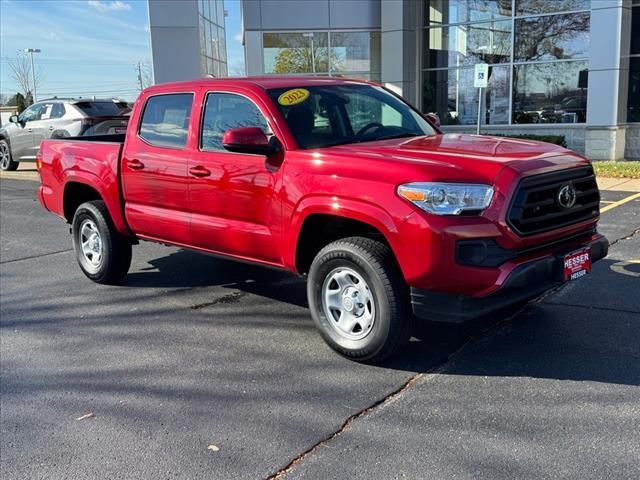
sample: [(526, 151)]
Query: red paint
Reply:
[(253, 208)]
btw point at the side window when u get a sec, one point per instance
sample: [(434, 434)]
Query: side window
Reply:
[(165, 120), (32, 113), (46, 111), (58, 110), (224, 111)]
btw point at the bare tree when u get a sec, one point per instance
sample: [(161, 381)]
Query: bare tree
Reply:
[(20, 72), (147, 74)]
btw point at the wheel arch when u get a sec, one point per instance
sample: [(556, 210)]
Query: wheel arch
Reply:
[(319, 220), (79, 189)]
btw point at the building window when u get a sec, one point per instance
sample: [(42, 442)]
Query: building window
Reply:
[(450, 93), (537, 56), (552, 37), (353, 54), (212, 38), (633, 101), (550, 92)]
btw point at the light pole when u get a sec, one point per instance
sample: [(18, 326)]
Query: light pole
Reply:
[(313, 58), (31, 51)]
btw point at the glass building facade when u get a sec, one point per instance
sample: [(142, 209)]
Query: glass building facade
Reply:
[(556, 67), (537, 51), (334, 53), (633, 99), (213, 48)]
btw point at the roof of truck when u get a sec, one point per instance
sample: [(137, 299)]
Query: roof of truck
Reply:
[(266, 82)]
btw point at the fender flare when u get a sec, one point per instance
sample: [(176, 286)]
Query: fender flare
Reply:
[(111, 201), (348, 208)]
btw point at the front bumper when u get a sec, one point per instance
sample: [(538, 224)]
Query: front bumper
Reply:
[(526, 281)]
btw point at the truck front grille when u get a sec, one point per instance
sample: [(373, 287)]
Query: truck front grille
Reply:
[(537, 208)]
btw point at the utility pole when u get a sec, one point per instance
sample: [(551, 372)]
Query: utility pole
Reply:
[(31, 51), (313, 58), (139, 68)]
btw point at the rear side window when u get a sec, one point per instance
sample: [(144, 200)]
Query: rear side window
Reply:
[(99, 109), (165, 120), (57, 111)]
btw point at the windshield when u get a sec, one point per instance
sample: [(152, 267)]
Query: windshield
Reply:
[(321, 116)]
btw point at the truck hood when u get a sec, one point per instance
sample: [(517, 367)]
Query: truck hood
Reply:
[(456, 156)]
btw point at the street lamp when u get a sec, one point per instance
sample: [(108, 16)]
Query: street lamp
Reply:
[(31, 51), (313, 58)]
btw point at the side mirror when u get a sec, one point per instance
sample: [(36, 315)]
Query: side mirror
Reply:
[(14, 119), (249, 140), (433, 118)]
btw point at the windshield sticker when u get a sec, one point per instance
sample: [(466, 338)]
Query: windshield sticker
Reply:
[(293, 97)]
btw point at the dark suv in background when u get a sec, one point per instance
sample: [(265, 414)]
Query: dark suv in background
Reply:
[(57, 118)]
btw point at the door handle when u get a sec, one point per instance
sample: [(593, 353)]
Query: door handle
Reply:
[(135, 164), (199, 171), (51, 127), (29, 129)]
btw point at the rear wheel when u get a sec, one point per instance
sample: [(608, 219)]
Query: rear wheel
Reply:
[(6, 163), (358, 299), (104, 255)]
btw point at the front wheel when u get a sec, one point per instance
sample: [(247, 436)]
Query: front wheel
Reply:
[(358, 299), (6, 162), (103, 254)]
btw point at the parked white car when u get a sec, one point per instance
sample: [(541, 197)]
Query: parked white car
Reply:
[(21, 137)]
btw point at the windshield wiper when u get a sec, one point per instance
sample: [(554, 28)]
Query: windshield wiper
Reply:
[(352, 140), (397, 135)]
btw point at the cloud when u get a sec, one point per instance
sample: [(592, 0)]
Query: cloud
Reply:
[(50, 36), (238, 37), (112, 6)]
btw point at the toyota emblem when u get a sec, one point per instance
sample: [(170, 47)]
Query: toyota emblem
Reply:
[(567, 196)]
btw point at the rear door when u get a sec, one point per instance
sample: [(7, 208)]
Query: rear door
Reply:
[(154, 168), (49, 122), (235, 209)]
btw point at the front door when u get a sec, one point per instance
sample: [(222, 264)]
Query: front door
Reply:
[(232, 195), (21, 136), (154, 169)]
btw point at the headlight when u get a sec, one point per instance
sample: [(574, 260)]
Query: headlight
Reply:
[(447, 198)]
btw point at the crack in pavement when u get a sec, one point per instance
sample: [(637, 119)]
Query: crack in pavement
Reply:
[(592, 307), (233, 297), (632, 234), (31, 257), (427, 374)]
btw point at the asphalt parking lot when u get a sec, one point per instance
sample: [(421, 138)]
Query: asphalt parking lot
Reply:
[(203, 368)]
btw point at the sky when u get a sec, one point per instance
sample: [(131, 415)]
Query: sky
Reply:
[(89, 47)]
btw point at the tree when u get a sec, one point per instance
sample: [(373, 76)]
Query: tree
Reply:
[(300, 60), (17, 101), (20, 72)]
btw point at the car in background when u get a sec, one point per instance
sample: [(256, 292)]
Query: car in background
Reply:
[(58, 118)]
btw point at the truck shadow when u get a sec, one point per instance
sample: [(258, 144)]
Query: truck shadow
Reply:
[(588, 330)]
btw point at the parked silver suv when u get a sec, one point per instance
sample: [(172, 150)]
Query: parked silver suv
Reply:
[(21, 137)]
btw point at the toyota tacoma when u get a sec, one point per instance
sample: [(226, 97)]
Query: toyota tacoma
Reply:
[(339, 180)]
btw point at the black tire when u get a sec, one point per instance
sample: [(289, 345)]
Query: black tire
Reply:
[(374, 262), (7, 163), (115, 249)]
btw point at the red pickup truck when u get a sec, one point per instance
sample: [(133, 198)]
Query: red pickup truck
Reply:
[(337, 179)]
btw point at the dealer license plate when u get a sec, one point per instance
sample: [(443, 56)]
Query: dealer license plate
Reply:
[(577, 264)]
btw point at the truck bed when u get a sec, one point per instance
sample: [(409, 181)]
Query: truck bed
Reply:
[(90, 164), (113, 138)]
